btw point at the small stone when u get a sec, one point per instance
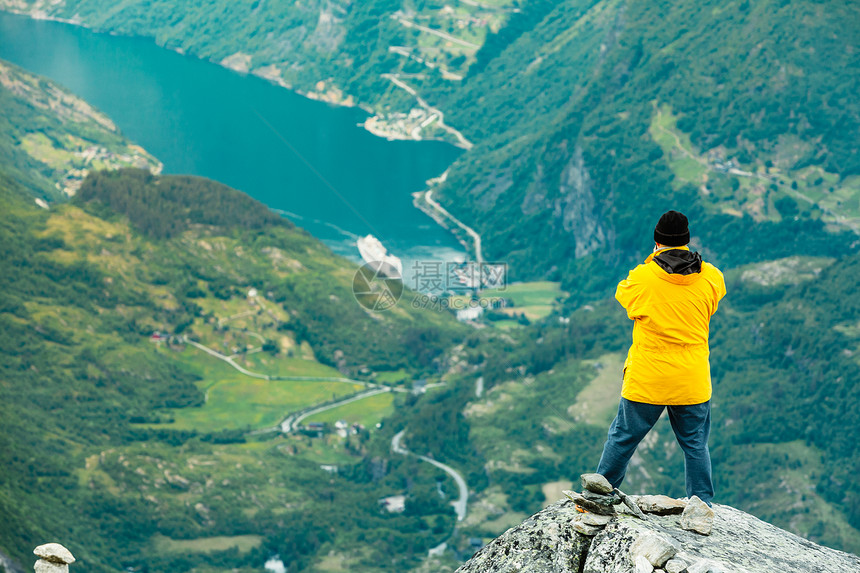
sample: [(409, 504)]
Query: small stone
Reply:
[(656, 548), (43, 566), (642, 565), (595, 519), (596, 483), (589, 505), (705, 566), (55, 553), (697, 517), (675, 565), (585, 529), (611, 499), (660, 504)]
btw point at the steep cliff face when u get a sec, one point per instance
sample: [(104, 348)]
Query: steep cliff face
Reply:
[(549, 542)]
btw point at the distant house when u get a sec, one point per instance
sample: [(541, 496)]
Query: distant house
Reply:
[(157, 337), (470, 313), (341, 427), (316, 426), (394, 503)]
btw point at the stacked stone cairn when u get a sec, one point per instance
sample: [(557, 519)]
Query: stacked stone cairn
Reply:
[(596, 504), (53, 558), (652, 552)]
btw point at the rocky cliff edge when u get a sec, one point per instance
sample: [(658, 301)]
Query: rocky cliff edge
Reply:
[(550, 541)]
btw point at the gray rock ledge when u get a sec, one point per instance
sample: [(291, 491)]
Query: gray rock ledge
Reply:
[(739, 543)]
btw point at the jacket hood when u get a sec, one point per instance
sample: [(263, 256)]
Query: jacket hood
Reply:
[(679, 261), (677, 265)]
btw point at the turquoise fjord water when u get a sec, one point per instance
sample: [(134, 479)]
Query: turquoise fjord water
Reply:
[(305, 157)]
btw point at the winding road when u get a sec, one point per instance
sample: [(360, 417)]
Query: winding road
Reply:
[(479, 257), (439, 33), (461, 140), (461, 503), (292, 421), (247, 372)]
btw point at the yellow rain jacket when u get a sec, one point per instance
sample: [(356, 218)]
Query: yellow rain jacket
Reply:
[(670, 300)]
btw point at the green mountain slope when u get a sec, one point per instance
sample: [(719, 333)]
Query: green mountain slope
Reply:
[(605, 114), (50, 139), (155, 331), (113, 438)]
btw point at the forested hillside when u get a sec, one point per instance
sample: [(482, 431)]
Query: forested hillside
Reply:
[(343, 52), (605, 114), (122, 440), (50, 139)]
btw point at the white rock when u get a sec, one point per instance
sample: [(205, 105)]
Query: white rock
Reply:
[(675, 566), (660, 504), (585, 529), (595, 483), (43, 566), (655, 548), (54, 552), (705, 566), (697, 517), (595, 519), (642, 565)]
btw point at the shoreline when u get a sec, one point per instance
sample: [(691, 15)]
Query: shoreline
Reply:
[(422, 200), (386, 123)]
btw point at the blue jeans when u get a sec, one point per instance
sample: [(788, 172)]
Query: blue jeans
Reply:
[(692, 426)]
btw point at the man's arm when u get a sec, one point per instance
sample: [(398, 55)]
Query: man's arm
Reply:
[(719, 290), (627, 293)]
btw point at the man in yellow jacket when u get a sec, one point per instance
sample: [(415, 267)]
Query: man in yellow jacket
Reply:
[(670, 298)]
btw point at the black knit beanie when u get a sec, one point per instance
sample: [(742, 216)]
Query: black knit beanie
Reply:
[(672, 230)]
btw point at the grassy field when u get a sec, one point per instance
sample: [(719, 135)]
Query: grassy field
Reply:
[(251, 403), (392, 377), (236, 401), (242, 543), (682, 157), (366, 412), (506, 324), (535, 299), (597, 402), (41, 148)]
